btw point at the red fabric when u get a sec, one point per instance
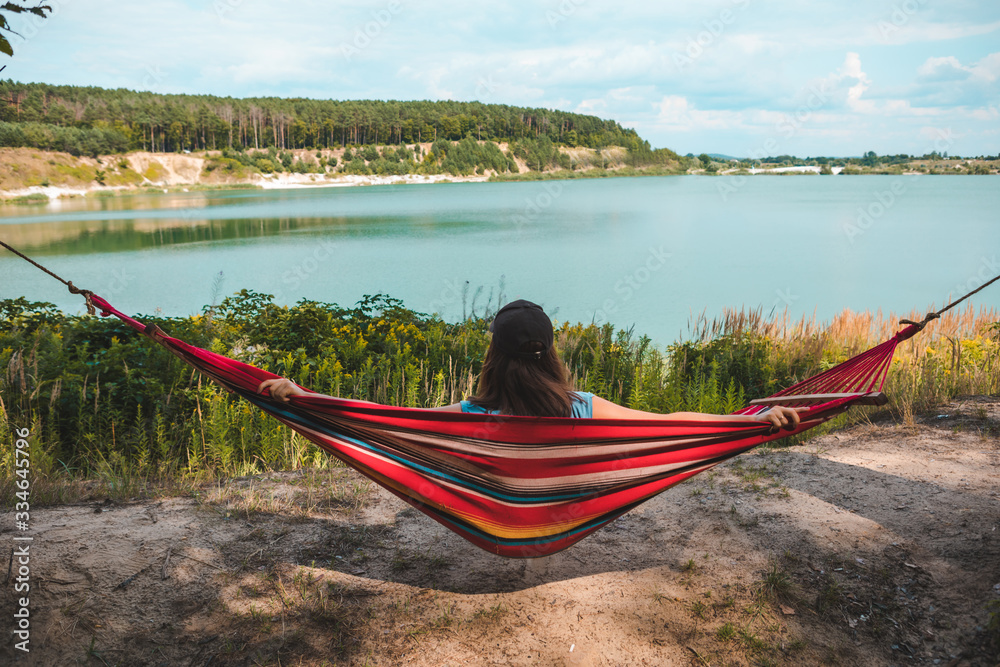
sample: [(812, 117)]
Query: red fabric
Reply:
[(522, 486)]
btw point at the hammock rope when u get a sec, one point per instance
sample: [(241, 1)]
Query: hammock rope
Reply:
[(937, 314), (525, 487), (86, 293)]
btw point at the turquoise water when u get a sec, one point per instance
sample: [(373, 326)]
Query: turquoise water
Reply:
[(649, 252)]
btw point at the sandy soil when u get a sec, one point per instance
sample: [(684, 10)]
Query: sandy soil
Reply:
[(21, 166), (875, 545)]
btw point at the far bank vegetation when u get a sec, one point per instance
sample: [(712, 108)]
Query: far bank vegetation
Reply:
[(85, 136)]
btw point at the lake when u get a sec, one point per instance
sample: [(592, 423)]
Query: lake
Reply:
[(645, 252)]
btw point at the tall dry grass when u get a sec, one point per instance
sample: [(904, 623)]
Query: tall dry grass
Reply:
[(956, 354)]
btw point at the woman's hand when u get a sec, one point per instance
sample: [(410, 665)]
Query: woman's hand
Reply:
[(281, 389), (778, 416), (781, 417)]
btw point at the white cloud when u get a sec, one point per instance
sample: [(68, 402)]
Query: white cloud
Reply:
[(946, 81), (677, 114), (991, 114), (943, 69), (772, 62), (912, 29)]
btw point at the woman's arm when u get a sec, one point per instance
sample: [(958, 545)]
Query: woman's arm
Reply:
[(454, 407), (282, 389), (778, 416)]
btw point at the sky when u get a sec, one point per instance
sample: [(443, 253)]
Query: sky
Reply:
[(746, 78)]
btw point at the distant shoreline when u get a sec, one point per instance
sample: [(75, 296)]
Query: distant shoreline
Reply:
[(30, 176), (347, 180)]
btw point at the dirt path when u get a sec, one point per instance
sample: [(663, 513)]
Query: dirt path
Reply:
[(876, 545)]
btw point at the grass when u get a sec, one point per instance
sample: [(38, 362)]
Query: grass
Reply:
[(154, 172), (993, 624), (776, 583), (34, 198), (830, 594), (100, 425), (491, 614), (427, 562), (593, 172)]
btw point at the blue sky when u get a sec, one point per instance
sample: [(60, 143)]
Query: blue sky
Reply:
[(741, 77)]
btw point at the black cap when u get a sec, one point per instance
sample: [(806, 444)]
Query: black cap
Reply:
[(521, 322)]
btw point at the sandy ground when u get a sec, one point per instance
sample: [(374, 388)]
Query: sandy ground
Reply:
[(270, 182), (178, 169), (875, 545)]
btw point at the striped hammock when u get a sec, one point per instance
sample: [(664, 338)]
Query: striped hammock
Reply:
[(525, 487)]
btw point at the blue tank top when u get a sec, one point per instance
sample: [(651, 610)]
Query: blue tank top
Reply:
[(582, 406)]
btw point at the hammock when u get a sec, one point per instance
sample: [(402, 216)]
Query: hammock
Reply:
[(525, 487)]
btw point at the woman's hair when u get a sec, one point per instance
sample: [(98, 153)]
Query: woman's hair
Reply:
[(537, 387)]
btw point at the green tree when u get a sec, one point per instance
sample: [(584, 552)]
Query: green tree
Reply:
[(157, 122)]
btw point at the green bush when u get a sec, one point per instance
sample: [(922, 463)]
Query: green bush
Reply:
[(356, 166), (266, 166)]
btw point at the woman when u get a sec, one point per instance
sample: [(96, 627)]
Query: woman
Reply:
[(523, 375)]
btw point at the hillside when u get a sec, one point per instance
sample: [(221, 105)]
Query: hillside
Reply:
[(30, 175)]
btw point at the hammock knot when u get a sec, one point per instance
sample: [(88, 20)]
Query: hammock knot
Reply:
[(920, 325), (86, 293), (154, 332)]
